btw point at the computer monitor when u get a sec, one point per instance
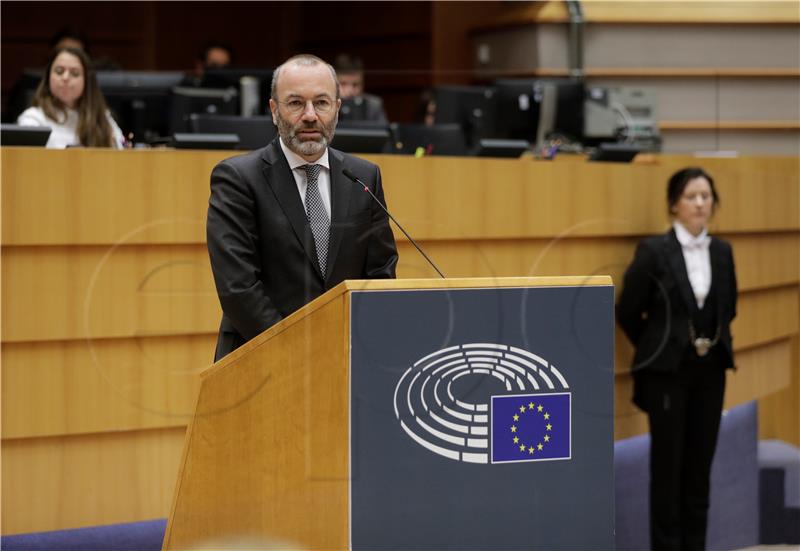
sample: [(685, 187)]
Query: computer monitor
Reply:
[(519, 103), (14, 134), (362, 125), (474, 108), (354, 110), (439, 139), (21, 95), (253, 132), (186, 101), (614, 153), (511, 149), (225, 77), (182, 140), (362, 140), (140, 101)]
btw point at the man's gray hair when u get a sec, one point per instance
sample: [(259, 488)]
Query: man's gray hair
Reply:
[(304, 60)]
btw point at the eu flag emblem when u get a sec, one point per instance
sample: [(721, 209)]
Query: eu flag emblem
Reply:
[(531, 427)]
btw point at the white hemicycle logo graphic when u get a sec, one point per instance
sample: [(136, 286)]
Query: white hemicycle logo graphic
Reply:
[(430, 413)]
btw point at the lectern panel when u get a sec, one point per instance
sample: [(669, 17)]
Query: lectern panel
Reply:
[(482, 419)]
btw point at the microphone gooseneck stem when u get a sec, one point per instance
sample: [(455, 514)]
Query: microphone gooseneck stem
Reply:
[(358, 181)]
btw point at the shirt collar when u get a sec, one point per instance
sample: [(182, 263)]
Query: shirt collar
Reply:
[(686, 239), (296, 161)]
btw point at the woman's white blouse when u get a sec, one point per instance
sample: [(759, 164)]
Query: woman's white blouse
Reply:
[(697, 259), (64, 134)]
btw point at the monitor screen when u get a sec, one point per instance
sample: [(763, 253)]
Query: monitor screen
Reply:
[(225, 77), (614, 153), (253, 132), (188, 101), (14, 134), (511, 149), (519, 103), (361, 140), (354, 109), (439, 139), (183, 140), (21, 95), (474, 108), (140, 101)]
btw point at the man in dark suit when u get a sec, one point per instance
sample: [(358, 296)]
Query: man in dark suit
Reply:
[(358, 106), (284, 223)]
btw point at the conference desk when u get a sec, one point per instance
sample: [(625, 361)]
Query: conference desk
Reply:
[(109, 311)]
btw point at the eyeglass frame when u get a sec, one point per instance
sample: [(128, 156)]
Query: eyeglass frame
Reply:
[(300, 110)]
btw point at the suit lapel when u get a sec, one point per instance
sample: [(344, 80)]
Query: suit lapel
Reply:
[(341, 188), (280, 179), (678, 265)]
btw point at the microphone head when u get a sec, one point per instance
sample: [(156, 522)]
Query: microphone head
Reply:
[(350, 175)]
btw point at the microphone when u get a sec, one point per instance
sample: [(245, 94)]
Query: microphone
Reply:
[(356, 180)]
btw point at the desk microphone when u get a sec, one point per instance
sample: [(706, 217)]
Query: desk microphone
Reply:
[(362, 184)]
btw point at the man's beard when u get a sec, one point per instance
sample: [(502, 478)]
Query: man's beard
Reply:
[(306, 148)]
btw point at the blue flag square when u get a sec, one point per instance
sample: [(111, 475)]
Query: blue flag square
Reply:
[(531, 427)]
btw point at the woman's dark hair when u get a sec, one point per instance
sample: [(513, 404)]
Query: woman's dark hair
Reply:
[(677, 183), (93, 129)]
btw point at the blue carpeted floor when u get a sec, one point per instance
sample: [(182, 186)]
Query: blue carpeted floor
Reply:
[(134, 536)]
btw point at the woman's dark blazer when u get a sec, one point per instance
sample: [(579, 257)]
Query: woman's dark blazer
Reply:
[(657, 301)]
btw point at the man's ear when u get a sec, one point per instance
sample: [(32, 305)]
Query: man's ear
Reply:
[(272, 108)]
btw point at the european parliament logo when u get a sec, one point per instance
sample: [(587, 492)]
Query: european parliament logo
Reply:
[(530, 420)]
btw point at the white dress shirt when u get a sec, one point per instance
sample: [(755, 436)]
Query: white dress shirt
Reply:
[(697, 259), (300, 177), (64, 134)]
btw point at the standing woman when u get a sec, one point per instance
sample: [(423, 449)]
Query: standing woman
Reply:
[(70, 102), (676, 307)]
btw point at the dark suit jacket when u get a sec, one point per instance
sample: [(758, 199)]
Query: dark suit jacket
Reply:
[(657, 301), (262, 250)]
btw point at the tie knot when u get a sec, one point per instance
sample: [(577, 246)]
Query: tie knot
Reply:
[(312, 172)]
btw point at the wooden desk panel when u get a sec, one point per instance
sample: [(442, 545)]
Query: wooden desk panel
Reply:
[(104, 263)]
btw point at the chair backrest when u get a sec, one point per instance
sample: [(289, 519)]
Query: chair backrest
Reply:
[(253, 132)]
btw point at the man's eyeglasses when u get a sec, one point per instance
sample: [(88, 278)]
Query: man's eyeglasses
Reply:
[(297, 106)]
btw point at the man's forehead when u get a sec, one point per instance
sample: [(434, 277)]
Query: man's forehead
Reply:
[(315, 79)]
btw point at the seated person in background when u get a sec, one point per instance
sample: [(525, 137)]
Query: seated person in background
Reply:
[(70, 102), (213, 55), (21, 93), (69, 37), (73, 37), (356, 105), (426, 113)]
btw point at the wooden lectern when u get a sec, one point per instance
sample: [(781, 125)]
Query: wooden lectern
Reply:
[(331, 429)]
